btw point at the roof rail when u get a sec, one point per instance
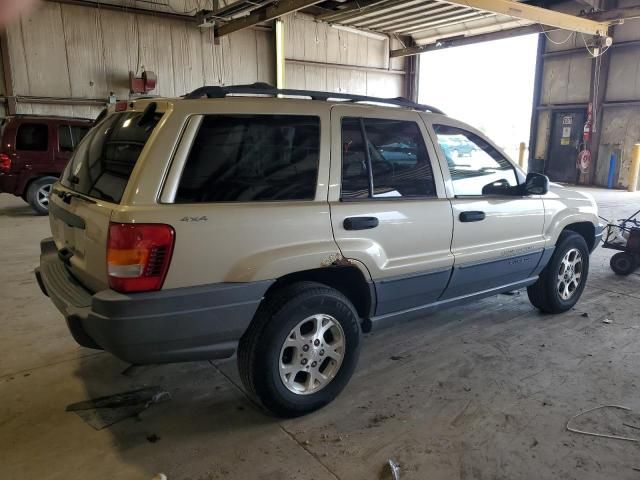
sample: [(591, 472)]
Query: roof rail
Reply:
[(266, 89)]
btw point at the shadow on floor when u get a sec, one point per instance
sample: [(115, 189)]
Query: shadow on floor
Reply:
[(16, 211), (206, 411)]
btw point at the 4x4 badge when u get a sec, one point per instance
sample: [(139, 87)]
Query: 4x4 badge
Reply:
[(194, 219)]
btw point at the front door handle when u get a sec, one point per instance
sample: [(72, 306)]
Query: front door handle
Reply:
[(472, 216), (360, 223)]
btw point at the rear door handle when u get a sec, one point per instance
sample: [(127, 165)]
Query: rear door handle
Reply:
[(360, 223), (472, 216)]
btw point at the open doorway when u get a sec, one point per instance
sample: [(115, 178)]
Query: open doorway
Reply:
[(488, 85)]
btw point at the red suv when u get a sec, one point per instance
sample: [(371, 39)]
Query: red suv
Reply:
[(34, 151)]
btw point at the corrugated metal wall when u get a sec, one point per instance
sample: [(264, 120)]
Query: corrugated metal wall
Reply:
[(308, 42), (76, 52), (567, 80)]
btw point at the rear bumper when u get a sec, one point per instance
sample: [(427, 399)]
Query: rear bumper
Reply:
[(182, 324), (9, 183)]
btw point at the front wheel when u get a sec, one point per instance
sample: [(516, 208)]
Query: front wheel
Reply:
[(562, 281), (301, 349)]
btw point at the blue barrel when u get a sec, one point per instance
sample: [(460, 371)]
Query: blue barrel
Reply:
[(612, 170)]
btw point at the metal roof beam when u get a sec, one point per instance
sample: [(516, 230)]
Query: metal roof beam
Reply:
[(384, 20), (458, 17), (264, 14), (539, 15), (359, 14), (350, 7), (461, 41)]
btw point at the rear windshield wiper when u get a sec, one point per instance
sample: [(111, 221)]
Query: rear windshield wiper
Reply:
[(67, 196)]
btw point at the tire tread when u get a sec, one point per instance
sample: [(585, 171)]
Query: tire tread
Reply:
[(271, 305)]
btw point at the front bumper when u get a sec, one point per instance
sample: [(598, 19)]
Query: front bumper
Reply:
[(599, 234), (174, 325)]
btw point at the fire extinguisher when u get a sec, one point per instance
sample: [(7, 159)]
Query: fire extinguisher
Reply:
[(584, 157), (586, 133)]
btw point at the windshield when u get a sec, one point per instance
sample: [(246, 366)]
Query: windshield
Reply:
[(104, 159)]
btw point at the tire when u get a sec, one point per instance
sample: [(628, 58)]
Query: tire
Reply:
[(559, 288), (38, 194), (623, 263), (262, 351)]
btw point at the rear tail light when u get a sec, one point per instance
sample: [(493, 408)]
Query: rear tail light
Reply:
[(138, 256), (5, 162)]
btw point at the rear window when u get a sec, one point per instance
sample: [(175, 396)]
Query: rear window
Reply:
[(252, 158), (32, 137), (104, 159)]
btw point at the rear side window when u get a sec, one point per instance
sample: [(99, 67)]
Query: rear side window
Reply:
[(383, 158), (103, 161), (69, 137), (32, 137), (252, 158)]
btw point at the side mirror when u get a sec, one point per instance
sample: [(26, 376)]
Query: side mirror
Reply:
[(536, 184), (499, 187)]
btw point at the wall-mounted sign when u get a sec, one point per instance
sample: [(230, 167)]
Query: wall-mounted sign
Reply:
[(567, 121)]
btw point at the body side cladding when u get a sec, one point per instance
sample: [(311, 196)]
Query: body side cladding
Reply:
[(480, 276), (408, 291), (390, 319)]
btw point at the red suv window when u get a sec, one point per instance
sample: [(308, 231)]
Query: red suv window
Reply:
[(32, 137), (69, 136)]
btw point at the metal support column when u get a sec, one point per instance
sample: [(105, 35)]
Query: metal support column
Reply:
[(600, 78), (537, 89), (8, 74), (280, 54), (411, 79)]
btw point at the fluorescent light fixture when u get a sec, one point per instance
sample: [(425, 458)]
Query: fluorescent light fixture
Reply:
[(364, 33)]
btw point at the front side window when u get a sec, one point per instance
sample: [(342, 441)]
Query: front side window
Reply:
[(383, 158), (252, 158), (103, 162), (32, 137), (473, 163)]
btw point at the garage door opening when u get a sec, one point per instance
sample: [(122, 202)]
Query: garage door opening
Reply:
[(488, 85)]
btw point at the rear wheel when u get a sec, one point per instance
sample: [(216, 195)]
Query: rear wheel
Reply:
[(301, 349), (38, 194), (623, 263), (562, 281)]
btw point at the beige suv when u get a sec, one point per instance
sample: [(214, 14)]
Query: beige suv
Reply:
[(235, 220)]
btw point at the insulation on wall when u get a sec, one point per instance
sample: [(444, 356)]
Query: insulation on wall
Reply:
[(76, 52), (307, 40), (566, 79)]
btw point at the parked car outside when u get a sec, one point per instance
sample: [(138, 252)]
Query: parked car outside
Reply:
[(34, 151), (281, 229)]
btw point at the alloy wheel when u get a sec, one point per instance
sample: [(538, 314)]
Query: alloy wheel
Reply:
[(312, 354), (570, 274)]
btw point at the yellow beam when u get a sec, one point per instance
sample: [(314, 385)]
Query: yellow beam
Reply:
[(536, 14)]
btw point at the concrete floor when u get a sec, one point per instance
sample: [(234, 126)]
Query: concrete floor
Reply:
[(480, 392)]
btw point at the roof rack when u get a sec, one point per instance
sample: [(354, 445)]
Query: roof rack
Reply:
[(266, 89)]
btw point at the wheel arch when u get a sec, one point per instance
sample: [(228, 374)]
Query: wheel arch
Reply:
[(34, 178), (586, 230), (347, 279)]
